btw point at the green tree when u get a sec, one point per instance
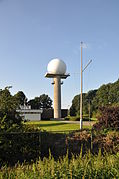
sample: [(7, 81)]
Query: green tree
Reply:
[(106, 95), (75, 106), (20, 98), (87, 98), (102, 96), (114, 93), (43, 101), (9, 118)]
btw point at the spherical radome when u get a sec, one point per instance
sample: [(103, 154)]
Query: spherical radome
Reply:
[(56, 66)]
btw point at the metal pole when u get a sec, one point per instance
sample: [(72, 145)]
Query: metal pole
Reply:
[(87, 65), (81, 120), (90, 112)]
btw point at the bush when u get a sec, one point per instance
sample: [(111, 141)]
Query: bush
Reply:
[(106, 142), (108, 119), (20, 147), (27, 146)]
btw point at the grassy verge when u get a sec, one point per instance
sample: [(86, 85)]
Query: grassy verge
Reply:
[(54, 126)]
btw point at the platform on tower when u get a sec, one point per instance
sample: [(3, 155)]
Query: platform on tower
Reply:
[(62, 76)]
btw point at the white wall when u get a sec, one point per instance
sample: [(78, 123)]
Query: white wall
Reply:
[(30, 114), (32, 117)]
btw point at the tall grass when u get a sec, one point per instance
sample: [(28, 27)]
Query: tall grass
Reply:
[(87, 166)]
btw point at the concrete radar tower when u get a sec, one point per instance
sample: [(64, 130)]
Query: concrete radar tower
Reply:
[(56, 69)]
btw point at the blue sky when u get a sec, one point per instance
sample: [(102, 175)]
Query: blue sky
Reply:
[(32, 32)]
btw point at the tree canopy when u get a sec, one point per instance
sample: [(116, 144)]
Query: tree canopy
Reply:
[(43, 101), (20, 98), (9, 118), (106, 95)]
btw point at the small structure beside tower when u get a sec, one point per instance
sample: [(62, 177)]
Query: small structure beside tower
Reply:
[(56, 69)]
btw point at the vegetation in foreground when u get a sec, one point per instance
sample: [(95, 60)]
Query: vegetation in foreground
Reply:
[(28, 146), (88, 166)]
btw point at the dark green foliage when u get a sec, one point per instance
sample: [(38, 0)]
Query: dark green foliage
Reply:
[(34, 103), (20, 98), (87, 99), (114, 93), (9, 118), (43, 101), (73, 110), (55, 142), (29, 146), (75, 106), (19, 146), (106, 95), (102, 97)]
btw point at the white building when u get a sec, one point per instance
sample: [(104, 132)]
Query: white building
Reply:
[(30, 114)]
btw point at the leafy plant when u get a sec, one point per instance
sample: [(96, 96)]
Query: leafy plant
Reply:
[(108, 119)]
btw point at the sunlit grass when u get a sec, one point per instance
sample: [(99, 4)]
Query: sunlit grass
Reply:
[(55, 126)]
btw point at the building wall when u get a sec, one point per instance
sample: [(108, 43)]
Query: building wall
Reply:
[(30, 114), (45, 114), (32, 117)]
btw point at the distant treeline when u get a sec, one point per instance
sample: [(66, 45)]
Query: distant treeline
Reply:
[(106, 95)]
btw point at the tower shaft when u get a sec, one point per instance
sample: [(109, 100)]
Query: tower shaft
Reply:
[(57, 97)]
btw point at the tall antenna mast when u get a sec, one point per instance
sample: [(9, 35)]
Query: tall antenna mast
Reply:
[(81, 101), (81, 95)]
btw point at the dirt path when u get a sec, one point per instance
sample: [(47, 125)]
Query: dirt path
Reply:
[(85, 123)]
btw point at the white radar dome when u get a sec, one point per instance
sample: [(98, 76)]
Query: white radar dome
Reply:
[(56, 66)]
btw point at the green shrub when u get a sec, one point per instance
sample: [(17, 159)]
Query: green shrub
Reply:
[(20, 147)]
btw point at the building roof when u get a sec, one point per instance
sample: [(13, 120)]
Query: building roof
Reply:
[(30, 110)]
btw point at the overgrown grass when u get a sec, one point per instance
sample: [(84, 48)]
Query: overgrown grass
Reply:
[(88, 166), (54, 126)]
